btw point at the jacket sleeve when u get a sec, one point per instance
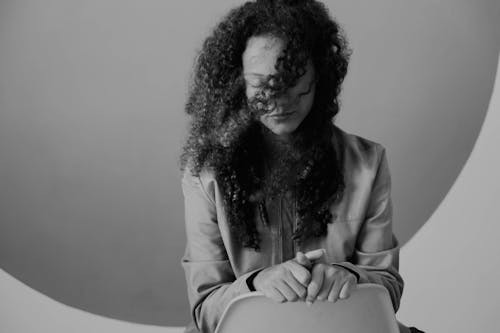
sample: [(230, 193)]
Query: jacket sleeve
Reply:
[(211, 282), (376, 254)]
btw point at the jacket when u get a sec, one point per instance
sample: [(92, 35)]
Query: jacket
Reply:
[(360, 239)]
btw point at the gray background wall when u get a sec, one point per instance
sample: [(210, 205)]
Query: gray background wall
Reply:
[(91, 124)]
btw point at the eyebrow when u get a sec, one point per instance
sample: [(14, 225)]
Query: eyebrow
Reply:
[(265, 76), (255, 74)]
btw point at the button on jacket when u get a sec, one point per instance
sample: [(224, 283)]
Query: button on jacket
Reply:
[(360, 239)]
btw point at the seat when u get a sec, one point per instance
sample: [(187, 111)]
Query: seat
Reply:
[(368, 309)]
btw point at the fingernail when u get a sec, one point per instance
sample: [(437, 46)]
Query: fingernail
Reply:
[(308, 302)]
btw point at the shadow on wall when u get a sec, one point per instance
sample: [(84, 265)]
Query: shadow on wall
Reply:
[(91, 100)]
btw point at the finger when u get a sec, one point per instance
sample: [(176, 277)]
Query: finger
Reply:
[(286, 291), (300, 273), (275, 295), (299, 289), (333, 296), (302, 260), (315, 285), (347, 288), (315, 254), (328, 282)]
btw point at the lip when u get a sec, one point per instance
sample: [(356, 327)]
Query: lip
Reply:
[(282, 115)]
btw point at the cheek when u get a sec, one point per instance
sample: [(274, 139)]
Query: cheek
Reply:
[(306, 103)]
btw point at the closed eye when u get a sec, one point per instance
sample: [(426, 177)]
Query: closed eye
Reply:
[(308, 91)]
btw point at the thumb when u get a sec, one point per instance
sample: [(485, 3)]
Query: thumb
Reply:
[(302, 260), (318, 255)]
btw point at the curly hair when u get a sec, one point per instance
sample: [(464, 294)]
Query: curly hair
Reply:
[(226, 136)]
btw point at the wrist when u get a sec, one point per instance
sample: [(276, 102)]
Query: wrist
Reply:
[(350, 270), (252, 281)]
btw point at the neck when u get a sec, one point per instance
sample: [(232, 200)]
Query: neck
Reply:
[(275, 144), (280, 160)]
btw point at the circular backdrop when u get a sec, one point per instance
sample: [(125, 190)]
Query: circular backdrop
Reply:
[(91, 124)]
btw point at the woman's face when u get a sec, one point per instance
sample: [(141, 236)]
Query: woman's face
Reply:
[(259, 60)]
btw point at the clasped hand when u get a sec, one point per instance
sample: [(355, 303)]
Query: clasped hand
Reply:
[(306, 277)]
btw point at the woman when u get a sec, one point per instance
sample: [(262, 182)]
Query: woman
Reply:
[(269, 177)]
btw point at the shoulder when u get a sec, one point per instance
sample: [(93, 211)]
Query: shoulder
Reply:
[(358, 151), (358, 154), (203, 182)]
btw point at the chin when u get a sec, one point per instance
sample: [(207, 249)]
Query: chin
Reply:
[(282, 130)]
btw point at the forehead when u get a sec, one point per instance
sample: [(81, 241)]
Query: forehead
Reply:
[(261, 54)]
